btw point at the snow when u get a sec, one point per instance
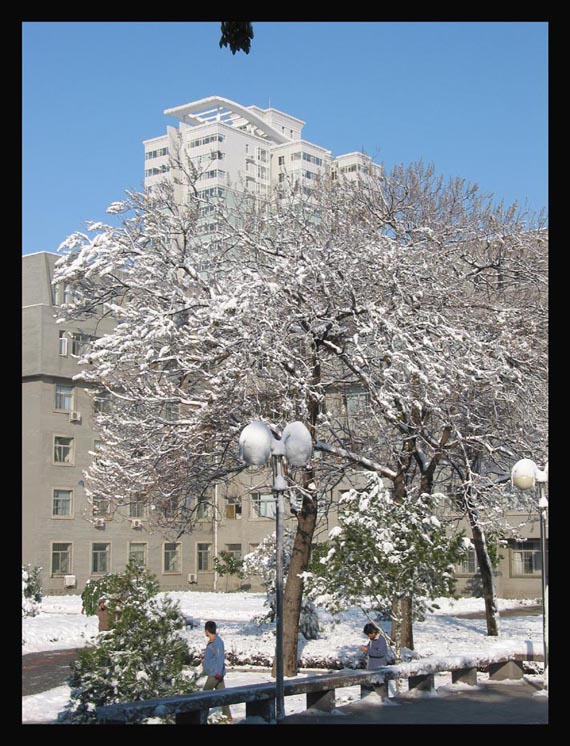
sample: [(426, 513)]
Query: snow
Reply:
[(255, 443), (60, 625)]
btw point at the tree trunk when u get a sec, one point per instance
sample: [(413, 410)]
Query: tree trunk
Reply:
[(486, 569), (293, 594), (396, 615), (301, 553), (402, 629), (407, 639)]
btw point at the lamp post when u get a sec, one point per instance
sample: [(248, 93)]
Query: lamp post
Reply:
[(525, 475), (258, 445)]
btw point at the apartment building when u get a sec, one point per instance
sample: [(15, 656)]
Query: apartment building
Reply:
[(238, 149), (234, 148)]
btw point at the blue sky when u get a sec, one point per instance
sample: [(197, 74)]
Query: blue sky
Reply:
[(469, 97)]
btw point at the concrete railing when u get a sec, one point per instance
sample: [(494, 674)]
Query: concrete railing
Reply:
[(260, 699)]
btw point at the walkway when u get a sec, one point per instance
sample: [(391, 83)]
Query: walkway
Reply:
[(497, 703), (44, 671)]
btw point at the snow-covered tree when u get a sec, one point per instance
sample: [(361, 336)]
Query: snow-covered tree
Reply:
[(262, 562), (384, 549), (142, 656), (407, 292), (31, 590), (114, 588)]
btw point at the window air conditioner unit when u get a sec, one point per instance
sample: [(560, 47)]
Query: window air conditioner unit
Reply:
[(192, 577), (99, 523), (69, 581), (136, 523), (75, 416)]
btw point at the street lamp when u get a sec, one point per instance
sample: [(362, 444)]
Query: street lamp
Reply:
[(525, 475), (258, 445)]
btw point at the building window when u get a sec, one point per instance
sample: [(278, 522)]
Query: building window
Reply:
[(136, 509), (312, 159), (80, 343), (156, 171), (357, 403), (63, 340), (155, 154), (264, 504), (68, 294), (172, 557), (63, 397), (203, 556), (324, 502), (97, 446), (469, 564), (60, 559), (171, 506), (170, 410), (234, 550), (526, 558), (205, 140), (214, 173), (233, 508), (281, 160), (63, 450), (262, 155), (100, 558), (204, 509), (211, 192), (101, 507), (102, 402), (137, 553), (62, 503)]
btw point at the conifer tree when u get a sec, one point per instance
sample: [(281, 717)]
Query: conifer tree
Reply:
[(384, 549), (141, 657)]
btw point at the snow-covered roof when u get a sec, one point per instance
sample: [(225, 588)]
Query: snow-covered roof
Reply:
[(218, 109)]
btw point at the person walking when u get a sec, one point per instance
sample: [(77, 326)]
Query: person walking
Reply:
[(377, 651), (103, 615), (214, 664)]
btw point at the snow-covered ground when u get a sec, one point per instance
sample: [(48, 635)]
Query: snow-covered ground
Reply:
[(61, 625)]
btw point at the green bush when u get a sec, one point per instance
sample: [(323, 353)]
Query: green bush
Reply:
[(33, 586), (114, 588), (31, 590), (141, 657)]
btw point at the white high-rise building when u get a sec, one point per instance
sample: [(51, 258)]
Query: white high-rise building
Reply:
[(237, 148)]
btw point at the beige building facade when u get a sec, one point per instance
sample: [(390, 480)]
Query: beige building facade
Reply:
[(71, 539), (74, 541)]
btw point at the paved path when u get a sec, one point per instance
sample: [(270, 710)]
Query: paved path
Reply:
[(496, 703), (44, 671)]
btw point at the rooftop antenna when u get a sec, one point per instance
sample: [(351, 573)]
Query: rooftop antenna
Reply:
[(269, 99)]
